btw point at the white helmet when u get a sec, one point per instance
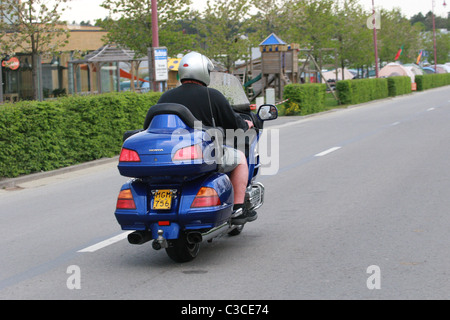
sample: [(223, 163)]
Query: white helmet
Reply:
[(195, 66)]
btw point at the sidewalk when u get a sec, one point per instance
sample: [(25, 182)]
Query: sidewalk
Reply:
[(13, 182)]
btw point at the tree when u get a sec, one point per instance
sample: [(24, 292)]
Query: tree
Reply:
[(33, 27), (222, 31), (271, 16), (396, 32), (442, 47), (355, 40), (132, 27), (313, 24)]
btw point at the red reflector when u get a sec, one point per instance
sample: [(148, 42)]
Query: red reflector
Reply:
[(206, 197), (188, 153), (125, 204), (125, 200), (127, 155), (163, 223)]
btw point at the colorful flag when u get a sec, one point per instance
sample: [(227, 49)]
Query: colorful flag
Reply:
[(398, 54), (419, 57)]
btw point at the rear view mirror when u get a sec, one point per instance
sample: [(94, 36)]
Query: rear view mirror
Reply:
[(267, 112)]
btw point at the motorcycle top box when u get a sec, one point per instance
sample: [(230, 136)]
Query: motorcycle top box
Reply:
[(173, 143)]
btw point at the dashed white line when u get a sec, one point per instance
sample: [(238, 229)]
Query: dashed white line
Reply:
[(430, 109), (327, 151), (106, 242), (395, 123)]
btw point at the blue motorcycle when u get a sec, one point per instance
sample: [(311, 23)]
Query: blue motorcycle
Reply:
[(177, 196)]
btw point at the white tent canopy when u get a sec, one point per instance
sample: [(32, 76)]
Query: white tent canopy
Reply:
[(395, 69), (414, 69), (445, 67), (331, 75)]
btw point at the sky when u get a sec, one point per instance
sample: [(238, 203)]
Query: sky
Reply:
[(90, 10)]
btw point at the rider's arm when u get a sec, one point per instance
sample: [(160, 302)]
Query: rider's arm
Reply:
[(249, 123), (227, 117)]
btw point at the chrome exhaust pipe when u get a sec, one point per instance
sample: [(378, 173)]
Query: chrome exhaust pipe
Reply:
[(194, 237), (197, 237), (139, 237)]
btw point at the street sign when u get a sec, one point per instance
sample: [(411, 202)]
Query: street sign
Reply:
[(161, 72), (12, 63)]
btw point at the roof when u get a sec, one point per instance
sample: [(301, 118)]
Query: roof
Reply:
[(109, 53), (272, 39)]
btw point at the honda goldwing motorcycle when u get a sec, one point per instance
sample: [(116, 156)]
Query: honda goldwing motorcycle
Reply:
[(177, 195)]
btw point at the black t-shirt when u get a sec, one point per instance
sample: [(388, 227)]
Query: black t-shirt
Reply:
[(195, 98)]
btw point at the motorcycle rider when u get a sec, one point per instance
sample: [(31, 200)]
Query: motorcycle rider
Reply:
[(194, 74)]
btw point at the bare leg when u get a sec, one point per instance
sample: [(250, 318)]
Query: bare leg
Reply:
[(239, 179)]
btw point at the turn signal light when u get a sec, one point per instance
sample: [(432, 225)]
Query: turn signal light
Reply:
[(193, 152), (125, 200), (206, 197), (128, 155)]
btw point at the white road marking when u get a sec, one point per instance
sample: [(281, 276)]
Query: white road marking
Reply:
[(395, 123), (431, 109), (327, 151), (106, 242)]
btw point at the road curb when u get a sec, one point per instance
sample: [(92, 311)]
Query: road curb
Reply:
[(13, 182)]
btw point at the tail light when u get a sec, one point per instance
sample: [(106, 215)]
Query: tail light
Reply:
[(125, 200), (206, 197), (193, 152), (128, 155)]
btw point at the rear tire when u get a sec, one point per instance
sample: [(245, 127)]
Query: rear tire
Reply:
[(182, 251)]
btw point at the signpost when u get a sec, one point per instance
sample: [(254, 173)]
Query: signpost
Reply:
[(374, 25), (158, 65), (157, 55), (1, 84)]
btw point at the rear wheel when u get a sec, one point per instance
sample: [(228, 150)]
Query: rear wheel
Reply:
[(182, 251)]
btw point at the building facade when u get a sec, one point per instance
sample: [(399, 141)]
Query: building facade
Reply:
[(55, 71)]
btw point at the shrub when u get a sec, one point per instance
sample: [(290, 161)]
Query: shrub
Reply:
[(292, 109), (399, 85), (309, 97), (40, 136), (361, 90), (429, 81)]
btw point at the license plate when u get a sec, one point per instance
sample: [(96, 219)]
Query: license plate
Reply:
[(162, 199)]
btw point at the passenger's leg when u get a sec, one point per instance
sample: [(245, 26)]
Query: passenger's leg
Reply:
[(239, 179)]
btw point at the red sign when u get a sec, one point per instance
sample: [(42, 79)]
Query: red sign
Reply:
[(12, 63)]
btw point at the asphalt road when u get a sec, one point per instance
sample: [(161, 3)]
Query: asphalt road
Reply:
[(359, 208)]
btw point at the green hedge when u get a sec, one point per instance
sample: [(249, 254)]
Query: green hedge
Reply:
[(362, 90), (399, 85), (40, 136), (429, 81), (310, 97)]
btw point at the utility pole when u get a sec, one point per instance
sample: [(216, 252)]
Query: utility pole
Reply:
[(375, 38), (1, 83), (434, 37), (155, 44), (155, 36)]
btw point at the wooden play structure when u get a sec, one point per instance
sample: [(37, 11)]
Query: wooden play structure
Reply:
[(277, 66), (279, 63)]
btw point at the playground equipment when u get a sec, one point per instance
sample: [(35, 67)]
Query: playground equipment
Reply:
[(276, 67), (281, 64)]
